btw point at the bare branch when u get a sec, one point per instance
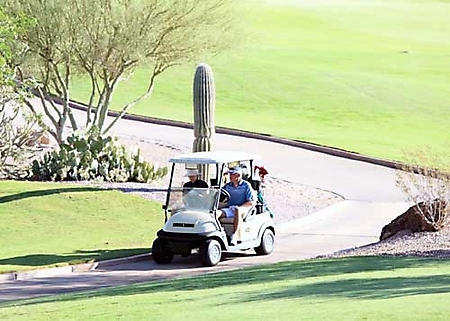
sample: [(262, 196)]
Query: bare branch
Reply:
[(157, 70)]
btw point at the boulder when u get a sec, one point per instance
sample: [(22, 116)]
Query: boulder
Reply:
[(48, 141), (45, 139), (430, 218)]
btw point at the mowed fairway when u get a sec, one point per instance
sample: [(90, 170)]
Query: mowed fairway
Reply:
[(361, 288), (55, 224), (367, 76)]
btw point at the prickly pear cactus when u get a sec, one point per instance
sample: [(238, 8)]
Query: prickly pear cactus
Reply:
[(204, 108)]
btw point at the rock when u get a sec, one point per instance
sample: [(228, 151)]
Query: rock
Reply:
[(48, 141), (45, 139), (432, 219)]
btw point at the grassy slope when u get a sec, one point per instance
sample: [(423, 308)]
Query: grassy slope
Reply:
[(337, 289), (45, 224), (367, 76)]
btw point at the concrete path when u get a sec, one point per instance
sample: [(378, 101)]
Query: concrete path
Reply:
[(372, 200)]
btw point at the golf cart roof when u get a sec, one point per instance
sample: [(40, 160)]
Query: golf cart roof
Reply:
[(212, 157)]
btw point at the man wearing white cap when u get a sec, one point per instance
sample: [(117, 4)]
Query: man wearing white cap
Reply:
[(240, 202), (194, 182)]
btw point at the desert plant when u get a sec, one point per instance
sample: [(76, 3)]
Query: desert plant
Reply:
[(17, 127), (204, 108), (427, 186), (19, 139), (93, 157)]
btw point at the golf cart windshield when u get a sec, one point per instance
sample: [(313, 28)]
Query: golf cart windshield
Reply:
[(192, 199)]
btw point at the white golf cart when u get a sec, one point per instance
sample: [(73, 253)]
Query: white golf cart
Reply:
[(191, 225)]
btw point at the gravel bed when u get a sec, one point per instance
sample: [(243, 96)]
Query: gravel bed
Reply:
[(404, 243)]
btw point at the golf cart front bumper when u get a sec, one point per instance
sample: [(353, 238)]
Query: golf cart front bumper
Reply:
[(183, 243)]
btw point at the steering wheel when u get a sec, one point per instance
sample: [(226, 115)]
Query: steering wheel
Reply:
[(224, 196)]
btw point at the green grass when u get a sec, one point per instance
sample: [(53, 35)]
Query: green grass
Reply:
[(360, 288), (52, 224), (365, 76)]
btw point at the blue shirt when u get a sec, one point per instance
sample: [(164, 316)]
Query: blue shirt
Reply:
[(239, 194)]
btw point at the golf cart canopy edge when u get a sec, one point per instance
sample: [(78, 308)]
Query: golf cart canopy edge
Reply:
[(215, 157)]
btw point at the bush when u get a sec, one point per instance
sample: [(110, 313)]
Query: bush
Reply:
[(427, 186), (17, 145), (92, 157), (18, 136)]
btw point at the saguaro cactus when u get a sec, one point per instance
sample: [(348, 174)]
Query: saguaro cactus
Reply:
[(204, 107)]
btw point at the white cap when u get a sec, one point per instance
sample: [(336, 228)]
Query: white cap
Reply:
[(235, 170), (192, 172)]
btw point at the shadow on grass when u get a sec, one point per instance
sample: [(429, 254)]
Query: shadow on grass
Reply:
[(373, 288), (46, 192), (287, 271), (42, 260), (377, 288)]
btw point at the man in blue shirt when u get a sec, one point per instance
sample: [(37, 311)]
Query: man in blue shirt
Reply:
[(241, 200)]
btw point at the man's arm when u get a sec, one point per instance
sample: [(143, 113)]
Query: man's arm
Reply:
[(249, 196), (248, 204)]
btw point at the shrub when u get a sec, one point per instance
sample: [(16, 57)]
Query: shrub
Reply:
[(19, 141), (92, 157), (16, 126), (427, 186)]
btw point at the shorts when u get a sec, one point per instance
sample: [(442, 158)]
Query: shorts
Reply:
[(229, 211)]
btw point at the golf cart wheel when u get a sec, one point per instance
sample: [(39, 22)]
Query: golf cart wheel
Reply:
[(210, 253), (267, 243), (161, 252)]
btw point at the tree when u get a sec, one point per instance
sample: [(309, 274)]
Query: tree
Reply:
[(106, 40), (17, 128)]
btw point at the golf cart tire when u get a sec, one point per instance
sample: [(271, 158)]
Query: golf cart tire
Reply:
[(267, 243), (210, 252), (161, 252)]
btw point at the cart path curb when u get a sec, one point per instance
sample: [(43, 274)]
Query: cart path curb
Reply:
[(65, 270), (247, 134)]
